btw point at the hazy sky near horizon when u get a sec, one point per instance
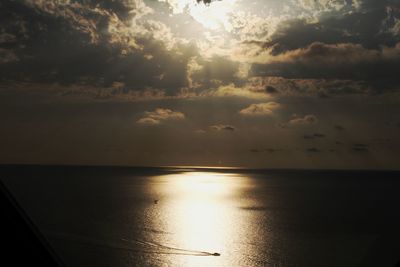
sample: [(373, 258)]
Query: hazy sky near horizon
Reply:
[(250, 83)]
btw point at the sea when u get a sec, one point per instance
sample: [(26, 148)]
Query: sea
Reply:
[(203, 216)]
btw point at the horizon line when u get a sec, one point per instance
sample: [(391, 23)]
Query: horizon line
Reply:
[(194, 167)]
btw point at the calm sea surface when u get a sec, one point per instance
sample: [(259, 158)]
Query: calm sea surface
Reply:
[(103, 216)]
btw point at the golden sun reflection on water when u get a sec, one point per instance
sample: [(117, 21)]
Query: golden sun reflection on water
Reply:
[(200, 211)]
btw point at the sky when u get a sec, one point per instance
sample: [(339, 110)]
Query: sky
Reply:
[(243, 83)]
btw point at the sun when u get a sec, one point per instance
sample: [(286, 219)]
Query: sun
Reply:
[(213, 16)]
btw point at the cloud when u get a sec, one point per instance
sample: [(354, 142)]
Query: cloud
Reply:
[(217, 68), (335, 40), (205, 1), (318, 135), (305, 87), (269, 150), (336, 61), (313, 150), (7, 56), (360, 148), (200, 131), (306, 120), (261, 109), (339, 128), (93, 44), (313, 47), (231, 90), (367, 24), (159, 115), (313, 136), (148, 121), (223, 127), (324, 5), (270, 89)]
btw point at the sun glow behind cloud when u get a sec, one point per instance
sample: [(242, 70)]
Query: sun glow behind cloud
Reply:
[(213, 16)]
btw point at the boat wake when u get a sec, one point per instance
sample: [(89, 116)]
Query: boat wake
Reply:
[(131, 245)]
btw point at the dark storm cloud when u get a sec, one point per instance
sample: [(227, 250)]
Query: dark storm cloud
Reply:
[(369, 25), (121, 8), (206, 1), (337, 61), (271, 90), (78, 44), (361, 45)]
